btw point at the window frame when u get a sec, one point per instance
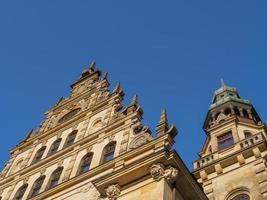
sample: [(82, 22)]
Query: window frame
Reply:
[(55, 177), (82, 163), (40, 156), (21, 191), (108, 151), (225, 140)]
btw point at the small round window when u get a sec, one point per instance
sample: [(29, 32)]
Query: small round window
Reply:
[(69, 115)]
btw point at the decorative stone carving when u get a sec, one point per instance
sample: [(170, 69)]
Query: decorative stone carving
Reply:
[(171, 174), (140, 140), (113, 191), (220, 118), (158, 172)]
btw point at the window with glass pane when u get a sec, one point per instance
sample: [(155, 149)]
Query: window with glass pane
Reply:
[(20, 193), (54, 181), (71, 138), (54, 147), (241, 197), (108, 152), (225, 140), (39, 154), (37, 186), (86, 163)]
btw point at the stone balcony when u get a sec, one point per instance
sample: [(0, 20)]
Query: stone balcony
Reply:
[(239, 146)]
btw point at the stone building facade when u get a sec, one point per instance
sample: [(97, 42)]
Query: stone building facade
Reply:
[(232, 164), (91, 147)]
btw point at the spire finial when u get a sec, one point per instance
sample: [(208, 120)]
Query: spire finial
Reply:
[(222, 83), (163, 117)]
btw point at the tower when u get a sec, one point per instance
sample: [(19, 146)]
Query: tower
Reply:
[(232, 161), (91, 146)]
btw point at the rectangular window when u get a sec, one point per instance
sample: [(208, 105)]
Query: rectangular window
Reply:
[(225, 140)]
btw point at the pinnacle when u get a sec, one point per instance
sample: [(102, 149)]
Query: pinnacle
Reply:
[(163, 117), (134, 100)]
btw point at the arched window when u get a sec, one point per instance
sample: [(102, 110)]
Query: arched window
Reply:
[(241, 197), (108, 152), (20, 193), (86, 163), (54, 147), (37, 186), (69, 115), (71, 138), (54, 180), (39, 154)]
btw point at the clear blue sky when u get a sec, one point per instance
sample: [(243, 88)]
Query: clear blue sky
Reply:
[(171, 53)]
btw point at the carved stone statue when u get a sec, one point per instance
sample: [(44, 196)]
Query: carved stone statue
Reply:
[(113, 191)]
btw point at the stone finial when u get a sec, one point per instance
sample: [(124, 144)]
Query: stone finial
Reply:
[(162, 126), (134, 100), (158, 172), (113, 191)]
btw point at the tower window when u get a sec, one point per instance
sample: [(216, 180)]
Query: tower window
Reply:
[(71, 138), (37, 186), (108, 152), (54, 146), (225, 140), (20, 193), (39, 154), (86, 163), (54, 181)]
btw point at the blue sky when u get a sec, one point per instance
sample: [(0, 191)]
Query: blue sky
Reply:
[(171, 53)]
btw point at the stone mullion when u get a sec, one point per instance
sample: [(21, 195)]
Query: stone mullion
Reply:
[(70, 167)]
